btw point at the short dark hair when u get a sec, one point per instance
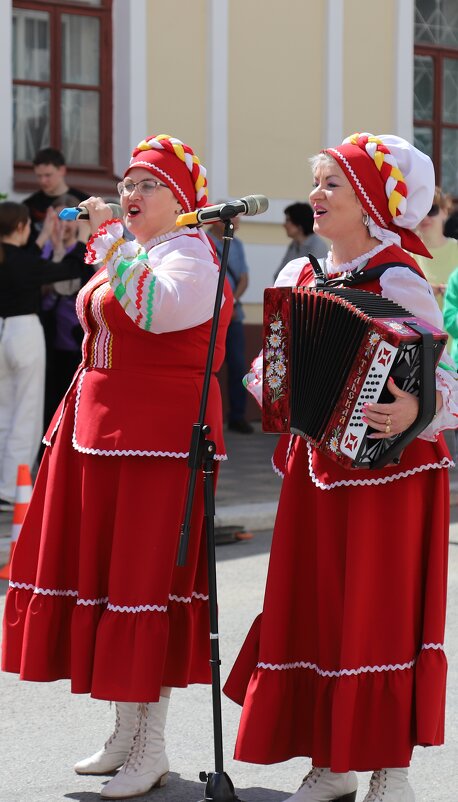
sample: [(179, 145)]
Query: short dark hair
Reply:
[(49, 156), (301, 214), (11, 214)]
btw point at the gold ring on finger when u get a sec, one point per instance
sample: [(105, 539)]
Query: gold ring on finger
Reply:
[(387, 429)]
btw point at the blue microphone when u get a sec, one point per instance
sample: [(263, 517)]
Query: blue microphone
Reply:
[(81, 213)]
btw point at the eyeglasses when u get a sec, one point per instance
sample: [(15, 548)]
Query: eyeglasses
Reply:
[(434, 210), (146, 187)]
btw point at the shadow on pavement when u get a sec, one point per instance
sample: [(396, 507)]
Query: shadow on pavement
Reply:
[(180, 790), (259, 544)]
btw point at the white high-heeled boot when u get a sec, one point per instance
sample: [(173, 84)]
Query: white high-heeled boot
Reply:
[(390, 785), (324, 785), (114, 752), (147, 765)]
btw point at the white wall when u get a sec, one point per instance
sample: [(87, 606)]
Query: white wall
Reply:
[(6, 99)]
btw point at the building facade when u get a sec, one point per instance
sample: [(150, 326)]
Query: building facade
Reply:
[(255, 86)]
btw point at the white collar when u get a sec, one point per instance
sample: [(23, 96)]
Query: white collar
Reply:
[(165, 237), (348, 267)]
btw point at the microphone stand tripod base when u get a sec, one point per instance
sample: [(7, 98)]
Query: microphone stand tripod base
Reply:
[(219, 787)]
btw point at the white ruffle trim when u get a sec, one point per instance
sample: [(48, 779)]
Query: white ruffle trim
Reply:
[(151, 243), (383, 480), (347, 267), (126, 452), (288, 452), (140, 608), (347, 672), (114, 607), (104, 239), (277, 470)]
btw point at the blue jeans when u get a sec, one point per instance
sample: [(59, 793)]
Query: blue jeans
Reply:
[(236, 369)]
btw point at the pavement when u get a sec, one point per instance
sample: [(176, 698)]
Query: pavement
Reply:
[(248, 489)]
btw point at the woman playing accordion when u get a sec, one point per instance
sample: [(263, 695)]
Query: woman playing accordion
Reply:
[(346, 663)]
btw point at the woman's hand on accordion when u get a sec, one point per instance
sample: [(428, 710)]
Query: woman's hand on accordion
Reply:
[(392, 418)]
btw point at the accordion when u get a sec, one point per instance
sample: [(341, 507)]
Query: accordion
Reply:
[(327, 351)]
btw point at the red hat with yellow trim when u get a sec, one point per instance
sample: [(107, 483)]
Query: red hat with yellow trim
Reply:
[(393, 180), (174, 164)]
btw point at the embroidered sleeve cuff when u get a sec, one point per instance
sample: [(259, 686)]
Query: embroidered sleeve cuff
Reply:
[(106, 241), (253, 380), (447, 417)]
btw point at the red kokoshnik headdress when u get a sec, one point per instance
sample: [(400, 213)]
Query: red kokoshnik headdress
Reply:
[(175, 164), (393, 180)]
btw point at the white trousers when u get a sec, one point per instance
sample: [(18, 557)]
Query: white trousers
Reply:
[(22, 387)]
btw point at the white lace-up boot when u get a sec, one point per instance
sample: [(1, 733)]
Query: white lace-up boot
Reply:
[(324, 785), (147, 765), (389, 785), (115, 750)]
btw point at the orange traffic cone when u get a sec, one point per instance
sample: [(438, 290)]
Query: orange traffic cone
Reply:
[(21, 502)]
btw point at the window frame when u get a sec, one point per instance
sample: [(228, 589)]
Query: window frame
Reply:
[(91, 178), (437, 53)]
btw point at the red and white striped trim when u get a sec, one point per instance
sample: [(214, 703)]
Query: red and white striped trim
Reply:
[(348, 672)]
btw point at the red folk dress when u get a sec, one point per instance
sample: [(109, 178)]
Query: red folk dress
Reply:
[(346, 664), (95, 594)]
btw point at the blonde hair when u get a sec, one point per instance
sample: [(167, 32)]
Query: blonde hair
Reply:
[(320, 158), (443, 200)]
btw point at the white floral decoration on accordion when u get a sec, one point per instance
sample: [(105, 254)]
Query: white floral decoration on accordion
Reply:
[(374, 339), (334, 440), (275, 356)]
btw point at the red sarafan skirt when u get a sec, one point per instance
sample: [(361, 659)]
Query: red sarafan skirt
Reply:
[(95, 593), (346, 664)]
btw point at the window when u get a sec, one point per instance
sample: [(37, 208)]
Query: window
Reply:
[(62, 86), (436, 87)]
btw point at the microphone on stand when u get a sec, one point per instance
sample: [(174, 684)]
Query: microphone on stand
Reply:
[(81, 213), (251, 205)]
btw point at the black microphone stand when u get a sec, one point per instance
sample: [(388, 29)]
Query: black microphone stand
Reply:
[(219, 787)]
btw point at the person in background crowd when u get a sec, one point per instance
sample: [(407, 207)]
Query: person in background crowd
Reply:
[(451, 225), (443, 249), (346, 663), (63, 332), (237, 273), (95, 592), (23, 272), (299, 227), (450, 313), (50, 171)]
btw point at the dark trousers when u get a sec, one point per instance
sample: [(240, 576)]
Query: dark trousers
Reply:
[(236, 370)]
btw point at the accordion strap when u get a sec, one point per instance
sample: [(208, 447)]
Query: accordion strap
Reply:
[(353, 279)]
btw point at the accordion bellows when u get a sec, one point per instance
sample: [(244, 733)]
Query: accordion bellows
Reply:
[(329, 351)]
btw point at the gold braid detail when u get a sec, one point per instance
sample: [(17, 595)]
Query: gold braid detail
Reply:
[(111, 251)]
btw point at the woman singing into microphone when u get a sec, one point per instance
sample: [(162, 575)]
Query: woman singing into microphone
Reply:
[(95, 594)]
